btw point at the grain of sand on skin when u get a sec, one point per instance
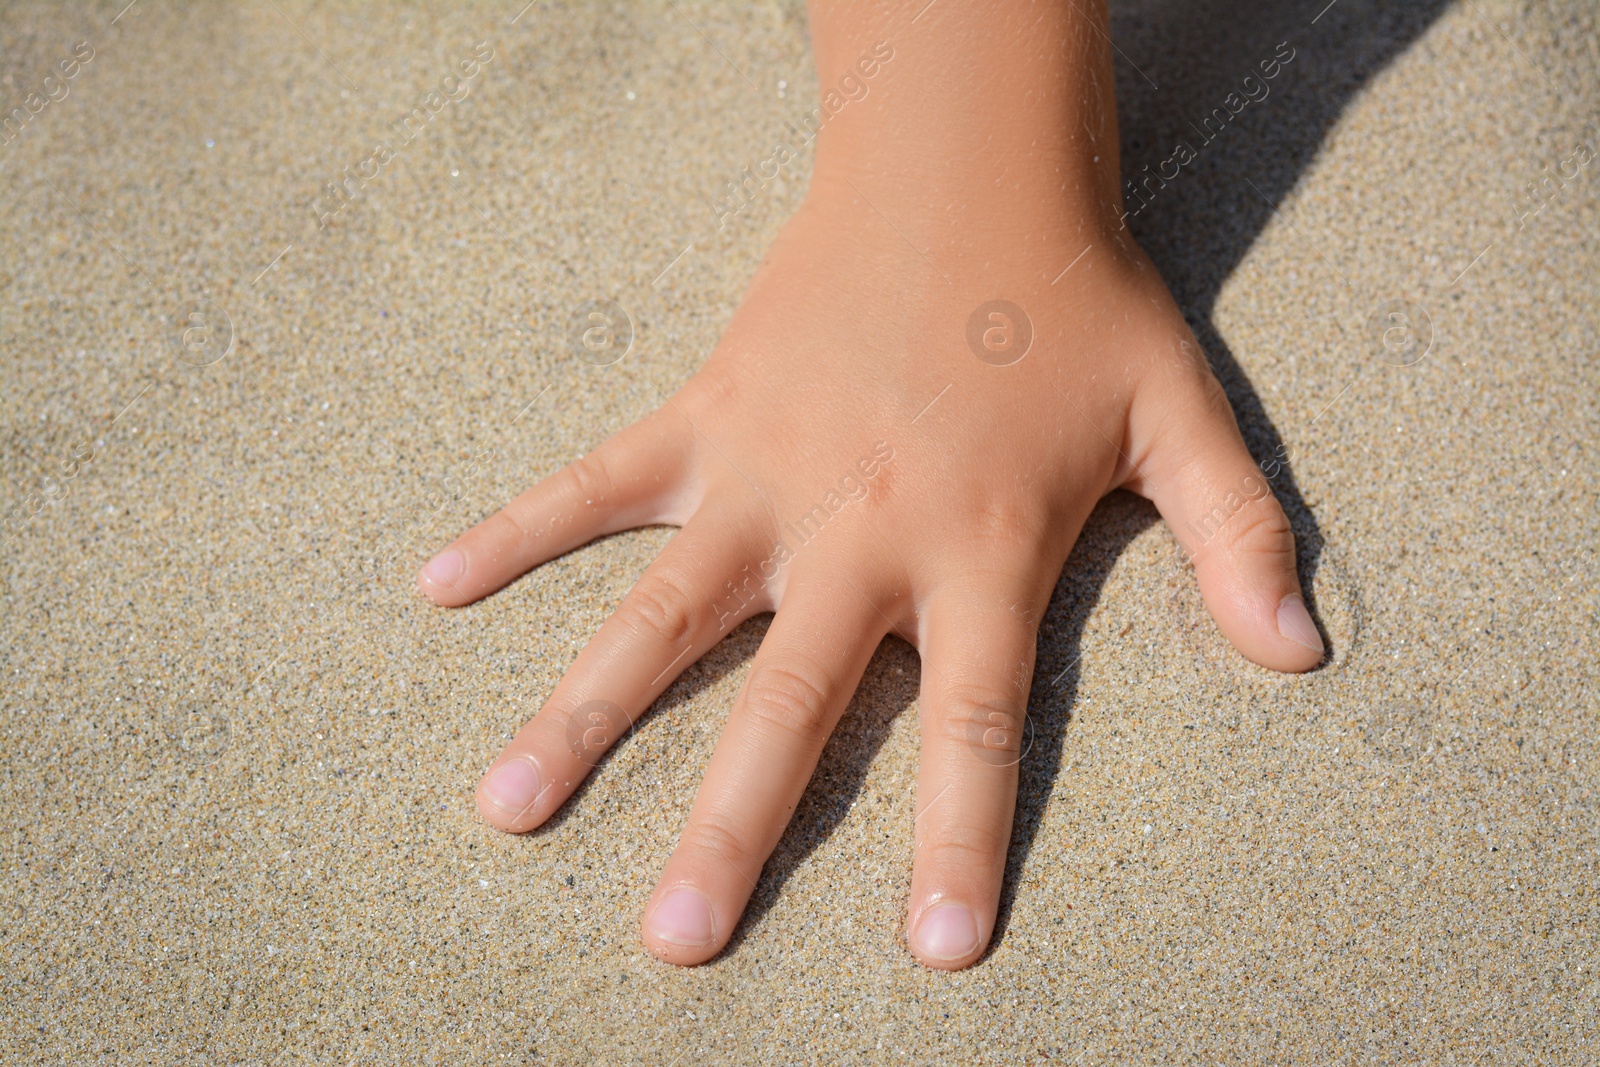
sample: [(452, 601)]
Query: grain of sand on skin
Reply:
[(240, 752)]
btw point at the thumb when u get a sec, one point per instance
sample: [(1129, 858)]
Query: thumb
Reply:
[(1220, 506)]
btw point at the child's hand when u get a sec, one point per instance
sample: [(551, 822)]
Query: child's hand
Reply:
[(861, 454), (845, 442)]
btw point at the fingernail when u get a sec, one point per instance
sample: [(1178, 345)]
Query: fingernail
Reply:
[(946, 932), (514, 786), (1294, 623), (445, 568), (683, 918)]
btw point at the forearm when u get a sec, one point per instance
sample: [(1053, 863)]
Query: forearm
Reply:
[(982, 105)]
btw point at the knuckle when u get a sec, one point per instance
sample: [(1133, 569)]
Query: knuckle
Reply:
[(1213, 402), (713, 391), (660, 606), (504, 524), (788, 696), (983, 715), (1184, 355), (1197, 403), (1262, 530), (589, 478), (713, 837), (1012, 527), (965, 846)]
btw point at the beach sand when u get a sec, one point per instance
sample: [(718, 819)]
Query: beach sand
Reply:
[(240, 750)]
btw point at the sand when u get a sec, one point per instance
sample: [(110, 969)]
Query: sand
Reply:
[(239, 750)]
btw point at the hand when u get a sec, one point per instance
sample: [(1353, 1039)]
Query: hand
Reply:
[(876, 446), (848, 460)]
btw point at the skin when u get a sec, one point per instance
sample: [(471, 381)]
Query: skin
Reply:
[(980, 164)]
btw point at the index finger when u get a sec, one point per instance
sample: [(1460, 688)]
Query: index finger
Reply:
[(633, 478)]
